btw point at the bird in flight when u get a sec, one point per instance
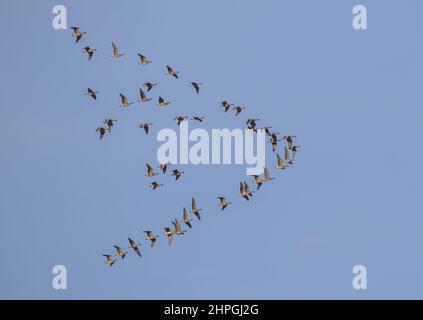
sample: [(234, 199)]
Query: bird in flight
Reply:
[(145, 126), (194, 209), (267, 177), (77, 33), (177, 226), (226, 105), (143, 97), (169, 235), (90, 92), (154, 185), (171, 72), (120, 252), (134, 245), (151, 237), (179, 119), (281, 163), (124, 101), (109, 123), (294, 151), (102, 132), (176, 173), (186, 218), (150, 172), (287, 157), (162, 102), (289, 140), (223, 203), (198, 118), (116, 53), (163, 167), (244, 191), (196, 86), (109, 259), (238, 110), (89, 51), (149, 85), (143, 59), (257, 181)]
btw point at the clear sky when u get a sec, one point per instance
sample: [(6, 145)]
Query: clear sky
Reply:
[(353, 98)]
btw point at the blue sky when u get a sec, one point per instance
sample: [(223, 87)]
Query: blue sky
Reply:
[(353, 98)]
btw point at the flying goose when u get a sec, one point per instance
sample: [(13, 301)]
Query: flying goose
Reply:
[(198, 118), (149, 85), (90, 92), (294, 151), (287, 158), (124, 101), (150, 172), (280, 165), (247, 190), (178, 229), (196, 86), (267, 177), (116, 51), (120, 252), (238, 109), (194, 209), (289, 140), (244, 191), (185, 218), (109, 123), (176, 173), (102, 132), (163, 167), (162, 102), (226, 105), (143, 97), (109, 259), (143, 59), (179, 119), (258, 181), (89, 51), (171, 72), (134, 245), (274, 143), (151, 237), (145, 126), (77, 33), (223, 203), (274, 135), (251, 123), (169, 234), (154, 185)]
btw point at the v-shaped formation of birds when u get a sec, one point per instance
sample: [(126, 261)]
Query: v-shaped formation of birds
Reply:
[(290, 150)]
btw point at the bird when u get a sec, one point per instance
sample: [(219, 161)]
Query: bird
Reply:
[(109, 259), (198, 118), (179, 119), (89, 51), (143, 59), (195, 210), (163, 167), (280, 165), (226, 105), (134, 245), (289, 140), (162, 102), (196, 86), (124, 101), (247, 190), (244, 191), (287, 158), (171, 72), (150, 172), (274, 135), (267, 177), (77, 33), (223, 203), (116, 51), (145, 126), (257, 181), (238, 109), (109, 123), (169, 234), (120, 252), (151, 237), (185, 218), (178, 229), (143, 97), (102, 132), (251, 123), (90, 92), (274, 143), (154, 185), (176, 173), (265, 129), (294, 151), (149, 85)]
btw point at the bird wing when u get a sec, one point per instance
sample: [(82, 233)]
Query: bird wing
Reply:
[(193, 205), (169, 69), (142, 94), (115, 49), (286, 153)]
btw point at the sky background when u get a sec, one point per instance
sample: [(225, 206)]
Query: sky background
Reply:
[(353, 99)]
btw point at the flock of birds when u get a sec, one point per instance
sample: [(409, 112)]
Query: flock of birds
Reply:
[(290, 150)]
